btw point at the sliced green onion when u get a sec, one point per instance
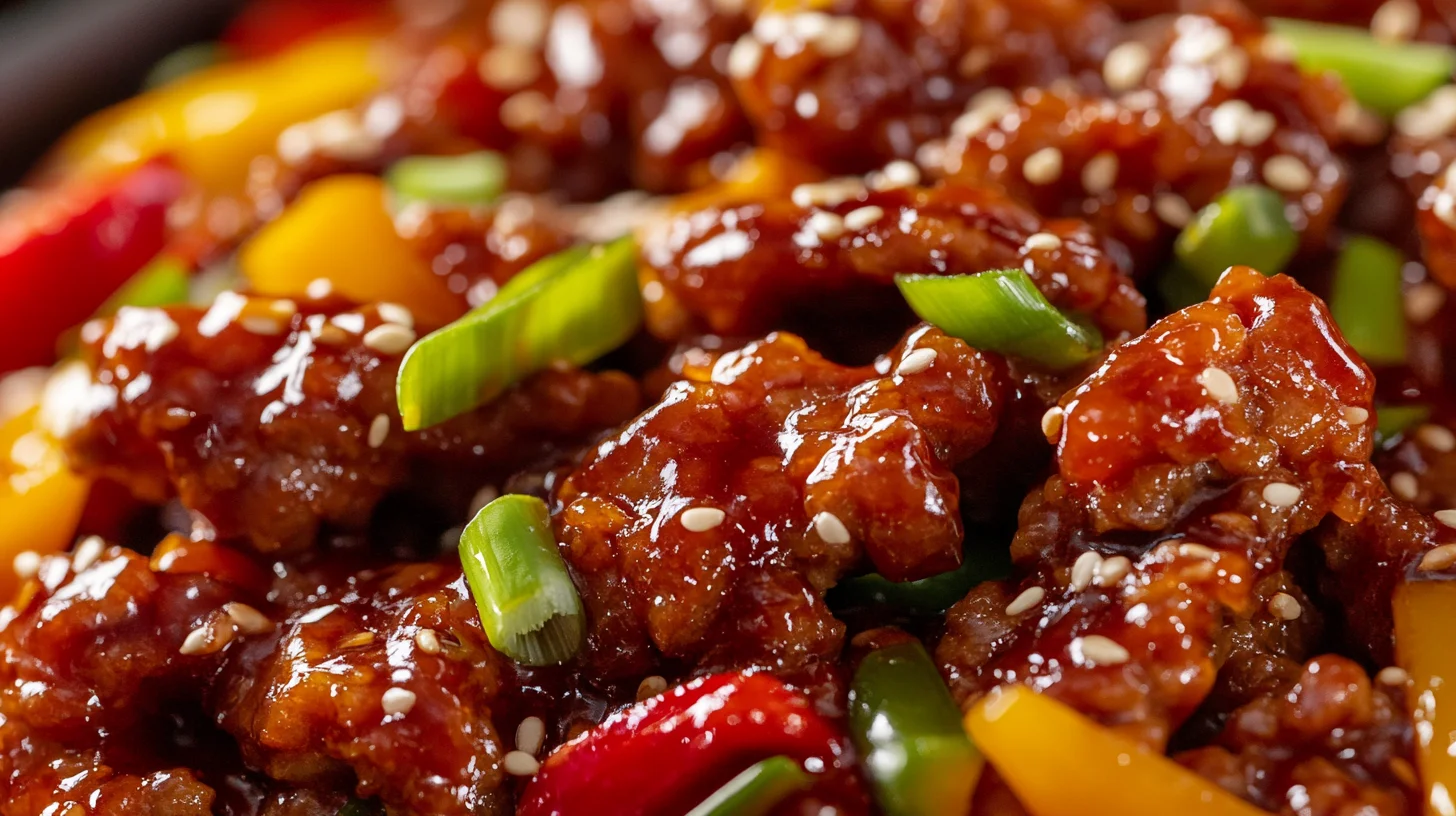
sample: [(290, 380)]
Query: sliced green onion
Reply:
[(184, 62), (1002, 311), (1366, 302), (1392, 421), (468, 180), (1245, 225), (1385, 77), (928, 596), (573, 306), (757, 790), (528, 605), (908, 729), (163, 282)]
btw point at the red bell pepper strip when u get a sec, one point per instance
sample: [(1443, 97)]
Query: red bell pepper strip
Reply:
[(665, 755), (64, 250)]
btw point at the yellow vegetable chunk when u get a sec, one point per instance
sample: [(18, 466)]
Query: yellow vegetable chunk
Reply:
[(1425, 649), (40, 497)]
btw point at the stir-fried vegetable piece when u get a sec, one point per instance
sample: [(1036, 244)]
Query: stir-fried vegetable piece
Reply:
[(1392, 421), (755, 791), (1365, 300), (1058, 763), (162, 282), (908, 728), (40, 498), (1000, 310), (1385, 77), (528, 606), (1244, 226), (472, 179), (573, 306), (928, 596), (1423, 614)]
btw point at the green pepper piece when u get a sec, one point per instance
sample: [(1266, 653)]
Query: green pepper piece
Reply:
[(755, 791), (1366, 302), (1245, 225)]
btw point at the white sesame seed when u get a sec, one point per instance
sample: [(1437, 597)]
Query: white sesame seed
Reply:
[(975, 61), (26, 564), (830, 529), (485, 495), (265, 326), (378, 431), (1405, 486), (915, 362), (1219, 385), (829, 193), (319, 288), (396, 700), (1276, 48), (1101, 651), (1287, 174), (651, 686), (1173, 209), (248, 620), (1051, 421), (840, 36), (1232, 68), (1446, 517), (1113, 569), (1436, 437), (509, 67), (1432, 117), (428, 641), (1030, 598), (88, 551), (1396, 21), (745, 57), (1043, 167), (1355, 415), (530, 734), (896, 175), (858, 219), (984, 109), (1424, 301), (1359, 124), (1125, 66), (1438, 559), (1258, 127), (826, 225), (702, 519), (397, 314), (520, 763), (357, 640), (283, 309), (1392, 676), (206, 639), (524, 109), (1193, 549), (1044, 241), (1084, 569), (1227, 120), (1099, 174), (519, 22), (389, 338), (1284, 606), (1281, 494)]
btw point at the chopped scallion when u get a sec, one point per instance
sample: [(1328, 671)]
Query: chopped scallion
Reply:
[(757, 790), (1392, 421), (528, 606), (1366, 302), (573, 306), (1245, 225), (908, 728), (163, 282), (1000, 310), (1385, 77), (468, 180), (928, 596)]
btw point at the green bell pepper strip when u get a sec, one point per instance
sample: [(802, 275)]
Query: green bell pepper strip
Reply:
[(755, 791), (1366, 302), (468, 180), (1245, 225), (928, 596)]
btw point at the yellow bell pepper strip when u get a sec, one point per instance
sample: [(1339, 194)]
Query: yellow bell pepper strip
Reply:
[(340, 229), (1423, 614), (216, 121), (40, 497), (1059, 763)]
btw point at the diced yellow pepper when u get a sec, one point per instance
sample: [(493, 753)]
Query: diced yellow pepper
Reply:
[(40, 497), (215, 122), (340, 229), (1059, 763), (1424, 647)]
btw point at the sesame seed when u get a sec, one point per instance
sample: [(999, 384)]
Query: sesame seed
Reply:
[(1101, 651), (1405, 486), (1043, 167), (482, 497), (1258, 127), (520, 763), (428, 641), (1029, 599), (397, 701), (397, 314), (530, 734), (830, 193), (1193, 549), (1438, 559), (856, 220), (1113, 569), (975, 61), (826, 225), (283, 308), (1436, 437), (915, 362), (357, 640), (248, 620), (830, 529), (1284, 606), (88, 551), (319, 288), (1355, 415), (1359, 124), (26, 564), (1276, 48), (651, 687), (378, 431), (509, 67), (1287, 174), (524, 109), (266, 326), (1125, 66), (1044, 241), (1446, 517), (1051, 421), (984, 109), (1227, 120), (1232, 68), (519, 22), (1396, 21), (206, 639), (702, 519), (1099, 174), (1173, 209), (896, 175), (1281, 494), (1424, 301), (1432, 117), (744, 57), (389, 338), (1219, 385), (1392, 676), (1084, 569)]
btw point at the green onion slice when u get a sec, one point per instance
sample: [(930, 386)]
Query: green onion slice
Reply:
[(908, 729), (573, 306), (1000, 310), (528, 605), (1366, 302), (1385, 77), (928, 596), (757, 790), (184, 62), (1392, 421), (1245, 225), (468, 180), (163, 282)]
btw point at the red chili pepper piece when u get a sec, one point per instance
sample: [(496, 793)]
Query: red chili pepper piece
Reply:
[(663, 756), (65, 249)]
